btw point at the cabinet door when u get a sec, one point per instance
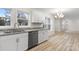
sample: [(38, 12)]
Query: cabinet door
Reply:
[(40, 36), (45, 34), (23, 41), (8, 43)]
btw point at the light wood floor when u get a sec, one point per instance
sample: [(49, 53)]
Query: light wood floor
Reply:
[(60, 42)]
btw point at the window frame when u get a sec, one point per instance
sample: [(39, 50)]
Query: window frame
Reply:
[(8, 18), (14, 12), (29, 16), (8, 26)]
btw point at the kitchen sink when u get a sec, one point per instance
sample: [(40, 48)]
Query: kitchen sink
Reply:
[(14, 31)]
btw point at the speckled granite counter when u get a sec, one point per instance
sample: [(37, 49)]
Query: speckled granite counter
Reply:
[(2, 33)]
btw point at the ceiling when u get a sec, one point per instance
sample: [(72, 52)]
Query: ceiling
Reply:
[(69, 13)]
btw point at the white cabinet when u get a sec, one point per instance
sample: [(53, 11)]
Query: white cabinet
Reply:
[(42, 36), (22, 41), (37, 16), (8, 43), (45, 35), (17, 42)]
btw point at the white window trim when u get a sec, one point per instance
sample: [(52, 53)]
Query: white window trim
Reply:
[(14, 20)]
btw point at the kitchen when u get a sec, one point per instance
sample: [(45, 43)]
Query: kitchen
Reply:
[(39, 29), (23, 28)]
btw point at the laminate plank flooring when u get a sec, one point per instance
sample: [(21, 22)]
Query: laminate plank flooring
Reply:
[(60, 42)]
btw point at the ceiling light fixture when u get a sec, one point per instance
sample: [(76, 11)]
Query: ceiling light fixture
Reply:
[(59, 14)]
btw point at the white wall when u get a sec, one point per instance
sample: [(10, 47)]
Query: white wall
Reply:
[(69, 26), (73, 25)]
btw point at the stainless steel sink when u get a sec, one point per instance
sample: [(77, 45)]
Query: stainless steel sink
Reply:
[(14, 31)]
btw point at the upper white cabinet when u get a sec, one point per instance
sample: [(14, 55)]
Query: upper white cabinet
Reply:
[(36, 16)]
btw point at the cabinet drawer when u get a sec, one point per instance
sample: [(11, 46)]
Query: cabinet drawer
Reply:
[(22, 35)]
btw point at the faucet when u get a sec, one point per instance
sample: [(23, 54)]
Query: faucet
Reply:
[(16, 28), (16, 25)]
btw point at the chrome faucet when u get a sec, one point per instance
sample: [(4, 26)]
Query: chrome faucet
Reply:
[(16, 25)]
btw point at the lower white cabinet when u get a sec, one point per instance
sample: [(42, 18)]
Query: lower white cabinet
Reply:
[(17, 42), (46, 35), (22, 43), (42, 36), (8, 43)]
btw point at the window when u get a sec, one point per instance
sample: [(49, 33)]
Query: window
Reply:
[(23, 18), (5, 15)]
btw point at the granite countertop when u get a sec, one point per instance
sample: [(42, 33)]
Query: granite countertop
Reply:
[(3, 33)]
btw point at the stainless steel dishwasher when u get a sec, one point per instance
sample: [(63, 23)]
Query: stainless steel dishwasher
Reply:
[(32, 39)]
